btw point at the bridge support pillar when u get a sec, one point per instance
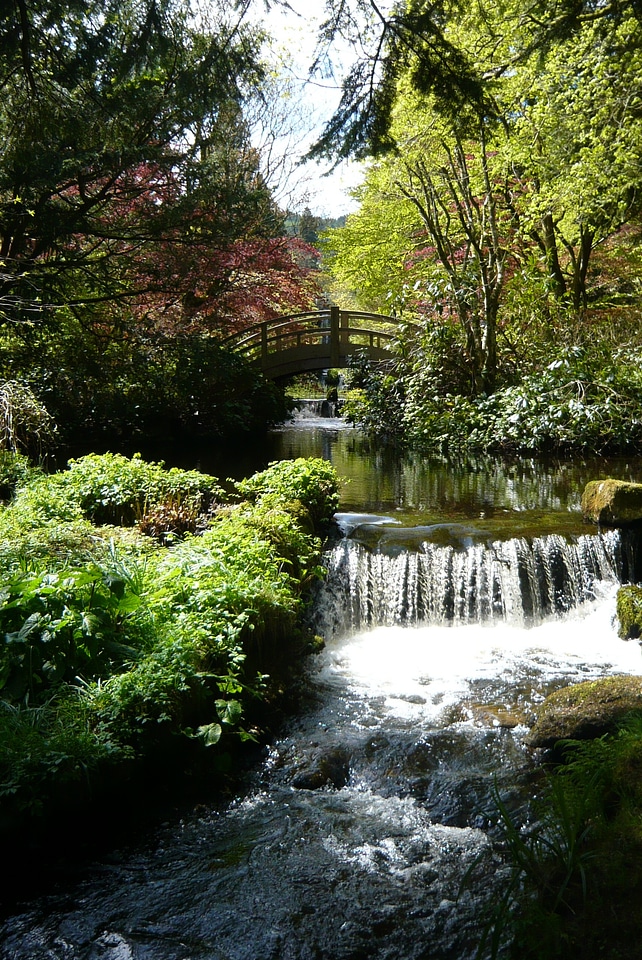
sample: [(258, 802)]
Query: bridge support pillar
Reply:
[(335, 321)]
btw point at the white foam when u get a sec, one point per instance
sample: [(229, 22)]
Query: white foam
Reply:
[(422, 669)]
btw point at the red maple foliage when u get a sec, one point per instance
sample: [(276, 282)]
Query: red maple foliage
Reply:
[(185, 262)]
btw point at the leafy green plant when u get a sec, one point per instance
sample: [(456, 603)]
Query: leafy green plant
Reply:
[(15, 470), (583, 398), (311, 482), (65, 624), (111, 488), (155, 643), (549, 861), (23, 542), (575, 875), (45, 747)]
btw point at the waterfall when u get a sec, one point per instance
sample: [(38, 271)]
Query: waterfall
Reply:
[(317, 408), (519, 581)]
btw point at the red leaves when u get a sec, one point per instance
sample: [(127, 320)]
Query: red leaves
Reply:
[(197, 260), (228, 287)]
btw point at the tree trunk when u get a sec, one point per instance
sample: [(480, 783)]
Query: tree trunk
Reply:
[(548, 244), (580, 269)]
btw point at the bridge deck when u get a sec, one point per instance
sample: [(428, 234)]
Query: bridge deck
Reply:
[(316, 340)]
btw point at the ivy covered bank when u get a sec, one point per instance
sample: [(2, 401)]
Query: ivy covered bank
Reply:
[(146, 617)]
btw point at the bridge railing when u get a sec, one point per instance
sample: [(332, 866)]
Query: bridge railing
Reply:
[(337, 329)]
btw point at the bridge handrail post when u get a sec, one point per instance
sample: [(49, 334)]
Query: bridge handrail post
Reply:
[(344, 326), (264, 340), (335, 321)]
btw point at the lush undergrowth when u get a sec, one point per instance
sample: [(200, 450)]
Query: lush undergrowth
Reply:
[(584, 399), (576, 882), (143, 611)]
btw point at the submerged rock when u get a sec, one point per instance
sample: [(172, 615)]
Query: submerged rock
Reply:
[(585, 710), (494, 715), (331, 768), (612, 503)]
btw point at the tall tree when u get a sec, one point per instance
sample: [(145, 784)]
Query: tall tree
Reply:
[(460, 201), (369, 256), (544, 182), (575, 147), (414, 39), (93, 93), (411, 41)]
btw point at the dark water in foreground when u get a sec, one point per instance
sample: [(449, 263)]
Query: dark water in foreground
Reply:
[(456, 601)]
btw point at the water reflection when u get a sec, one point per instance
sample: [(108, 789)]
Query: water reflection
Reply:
[(518, 493)]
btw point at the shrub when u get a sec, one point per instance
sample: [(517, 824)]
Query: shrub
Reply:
[(25, 425), (310, 482), (375, 400), (170, 520), (153, 642), (15, 470), (207, 597), (156, 389), (583, 398), (576, 871), (111, 488), (442, 423)]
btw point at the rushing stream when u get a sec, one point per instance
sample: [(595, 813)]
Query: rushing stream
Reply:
[(456, 600)]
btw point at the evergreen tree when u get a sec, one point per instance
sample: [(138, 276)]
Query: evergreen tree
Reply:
[(309, 226)]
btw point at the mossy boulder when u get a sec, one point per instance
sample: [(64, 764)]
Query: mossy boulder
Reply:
[(586, 710), (614, 503), (629, 612)]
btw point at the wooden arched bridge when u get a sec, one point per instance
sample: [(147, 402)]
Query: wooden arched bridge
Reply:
[(316, 340)]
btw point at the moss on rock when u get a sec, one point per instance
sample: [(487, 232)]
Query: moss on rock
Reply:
[(612, 502), (586, 710), (629, 612)]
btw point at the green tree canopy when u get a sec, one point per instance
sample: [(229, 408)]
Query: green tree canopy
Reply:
[(103, 104), (414, 39), (463, 207), (575, 147)]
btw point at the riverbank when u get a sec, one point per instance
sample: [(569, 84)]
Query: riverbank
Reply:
[(583, 401), (150, 617)]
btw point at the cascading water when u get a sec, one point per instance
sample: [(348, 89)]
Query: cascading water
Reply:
[(317, 408), (519, 581), (375, 803)]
